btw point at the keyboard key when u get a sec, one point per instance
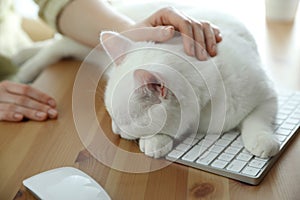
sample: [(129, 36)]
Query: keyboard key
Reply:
[(246, 151), (285, 111), (281, 116), (183, 147), (237, 144), (207, 158), (219, 164), (175, 154), (283, 131), (194, 153), (287, 126), (244, 157), (232, 150), (293, 121), (230, 135), (190, 141), (206, 143), (236, 165), (217, 149), (223, 142), (257, 163), (293, 103), (262, 159), (278, 121), (226, 157), (296, 116), (212, 137), (280, 138), (251, 171)]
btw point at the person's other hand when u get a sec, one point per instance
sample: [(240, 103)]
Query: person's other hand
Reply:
[(199, 37), (19, 101)]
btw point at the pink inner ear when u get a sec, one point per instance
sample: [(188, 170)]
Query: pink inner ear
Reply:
[(151, 80), (115, 45), (143, 76)]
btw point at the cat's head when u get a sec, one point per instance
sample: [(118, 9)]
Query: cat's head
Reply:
[(136, 95)]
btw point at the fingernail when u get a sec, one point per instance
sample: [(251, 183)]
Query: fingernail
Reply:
[(52, 112), (214, 48), (18, 116), (52, 103), (192, 50), (203, 54), (41, 114)]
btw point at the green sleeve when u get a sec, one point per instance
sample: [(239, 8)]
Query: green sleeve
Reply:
[(50, 10)]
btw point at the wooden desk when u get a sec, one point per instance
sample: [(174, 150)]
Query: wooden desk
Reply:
[(31, 147)]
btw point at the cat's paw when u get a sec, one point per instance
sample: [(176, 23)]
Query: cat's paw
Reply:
[(264, 146), (156, 146)]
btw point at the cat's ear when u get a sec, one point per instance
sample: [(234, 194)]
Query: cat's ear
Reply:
[(115, 45), (152, 80)]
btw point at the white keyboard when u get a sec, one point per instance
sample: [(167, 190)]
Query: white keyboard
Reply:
[(227, 156)]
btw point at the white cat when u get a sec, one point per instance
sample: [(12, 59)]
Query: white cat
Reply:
[(158, 94)]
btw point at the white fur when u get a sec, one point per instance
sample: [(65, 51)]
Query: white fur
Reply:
[(250, 101), (12, 37)]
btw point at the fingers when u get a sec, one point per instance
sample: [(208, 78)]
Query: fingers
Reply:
[(198, 36), (156, 34), (10, 116), (199, 42), (18, 101), (28, 91), (11, 112), (210, 39), (217, 33)]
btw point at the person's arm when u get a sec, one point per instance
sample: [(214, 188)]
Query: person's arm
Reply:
[(19, 101), (83, 20)]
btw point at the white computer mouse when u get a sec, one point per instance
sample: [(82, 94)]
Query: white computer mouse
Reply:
[(66, 183)]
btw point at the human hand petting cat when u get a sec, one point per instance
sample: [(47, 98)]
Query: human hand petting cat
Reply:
[(199, 37), (19, 101), (160, 26)]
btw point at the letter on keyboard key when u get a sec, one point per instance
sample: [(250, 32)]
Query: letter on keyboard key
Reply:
[(236, 165), (251, 171)]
